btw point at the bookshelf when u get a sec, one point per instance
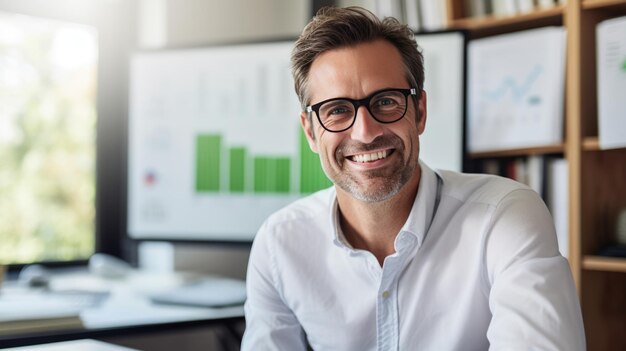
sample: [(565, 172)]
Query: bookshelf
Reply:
[(541, 150), (597, 178), (493, 25), (604, 264)]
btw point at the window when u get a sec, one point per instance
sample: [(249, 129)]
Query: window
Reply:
[(47, 139)]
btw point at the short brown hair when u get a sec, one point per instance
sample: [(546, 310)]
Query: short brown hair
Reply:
[(334, 27)]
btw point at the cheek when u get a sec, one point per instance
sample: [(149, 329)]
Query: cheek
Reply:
[(327, 144), (410, 138)]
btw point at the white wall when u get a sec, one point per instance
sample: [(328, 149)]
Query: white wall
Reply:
[(197, 22)]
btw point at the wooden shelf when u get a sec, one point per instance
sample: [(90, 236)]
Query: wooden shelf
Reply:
[(609, 264), (597, 4), (591, 144), (542, 150), (493, 22)]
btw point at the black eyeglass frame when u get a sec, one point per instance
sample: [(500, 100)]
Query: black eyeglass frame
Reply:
[(362, 102)]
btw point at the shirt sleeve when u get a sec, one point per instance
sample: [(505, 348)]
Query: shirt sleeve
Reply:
[(270, 324), (533, 299)]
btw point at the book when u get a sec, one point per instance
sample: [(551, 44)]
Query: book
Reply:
[(40, 324), (611, 82), (367, 4), (476, 8), (525, 6), (546, 4), (491, 166), (557, 199), (412, 14), (504, 7), (389, 8), (31, 312), (434, 14), (521, 170), (535, 173)]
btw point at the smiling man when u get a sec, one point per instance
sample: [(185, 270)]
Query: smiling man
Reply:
[(396, 256)]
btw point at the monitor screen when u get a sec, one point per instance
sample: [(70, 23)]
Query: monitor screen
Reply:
[(215, 143)]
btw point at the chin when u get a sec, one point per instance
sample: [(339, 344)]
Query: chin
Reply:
[(373, 194)]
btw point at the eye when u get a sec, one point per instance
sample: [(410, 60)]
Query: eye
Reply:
[(385, 102), (338, 110)]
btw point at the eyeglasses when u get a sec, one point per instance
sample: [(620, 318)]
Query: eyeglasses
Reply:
[(386, 106)]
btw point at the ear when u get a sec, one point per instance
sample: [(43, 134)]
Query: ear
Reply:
[(423, 113), (307, 127)]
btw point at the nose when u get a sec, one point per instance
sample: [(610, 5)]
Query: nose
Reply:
[(365, 128)]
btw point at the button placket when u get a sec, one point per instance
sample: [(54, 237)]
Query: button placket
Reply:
[(387, 317)]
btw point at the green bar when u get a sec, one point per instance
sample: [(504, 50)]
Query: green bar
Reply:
[(312, 176), (260, 174), (208, 150), (304, 163), (237, 169), (283, 167), (270, 176)]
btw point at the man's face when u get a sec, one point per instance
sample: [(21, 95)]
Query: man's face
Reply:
[(370, 161)]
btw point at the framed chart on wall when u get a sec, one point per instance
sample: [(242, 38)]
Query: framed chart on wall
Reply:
[(515, 90)]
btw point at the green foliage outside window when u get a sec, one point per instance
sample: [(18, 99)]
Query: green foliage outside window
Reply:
[(47, 140)]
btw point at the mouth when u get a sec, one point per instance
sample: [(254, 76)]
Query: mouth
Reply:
[(371, 156)]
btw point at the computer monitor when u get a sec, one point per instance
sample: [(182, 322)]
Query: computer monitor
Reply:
[(215, 143)]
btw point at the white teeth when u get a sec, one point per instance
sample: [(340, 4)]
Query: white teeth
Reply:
[(370, 157)]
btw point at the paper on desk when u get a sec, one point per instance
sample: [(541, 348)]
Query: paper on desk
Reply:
[(75, 345), (25, 311), (137, 281), (25, 305), (140, 311)]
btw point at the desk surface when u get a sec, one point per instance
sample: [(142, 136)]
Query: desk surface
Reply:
[(126, 310), (76, 345)]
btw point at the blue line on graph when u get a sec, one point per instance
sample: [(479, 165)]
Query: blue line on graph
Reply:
[(517, 90)]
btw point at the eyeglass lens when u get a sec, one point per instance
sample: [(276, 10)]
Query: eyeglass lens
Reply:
[(386, 107)]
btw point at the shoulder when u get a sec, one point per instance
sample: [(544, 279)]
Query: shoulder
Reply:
[(298, 219), (292, 236), (302, 210), (483, 189)]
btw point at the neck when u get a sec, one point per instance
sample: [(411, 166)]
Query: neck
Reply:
[(374, 226)]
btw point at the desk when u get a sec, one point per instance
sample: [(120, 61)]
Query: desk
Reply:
[(77, 345), (128, 311)]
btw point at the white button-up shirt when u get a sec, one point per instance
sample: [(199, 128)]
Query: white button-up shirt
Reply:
[(476, 267)]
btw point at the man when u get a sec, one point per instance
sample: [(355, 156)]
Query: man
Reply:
[(396, 256)]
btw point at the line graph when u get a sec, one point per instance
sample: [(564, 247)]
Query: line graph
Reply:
[(515, 90), (512, 86)]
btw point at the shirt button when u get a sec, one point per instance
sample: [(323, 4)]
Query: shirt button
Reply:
[(385, 294)]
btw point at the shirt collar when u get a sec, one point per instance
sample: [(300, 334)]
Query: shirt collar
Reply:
[(423, 209), (416, 225)]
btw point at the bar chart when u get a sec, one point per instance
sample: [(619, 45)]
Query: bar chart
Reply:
[(215, 142), (260, 174)]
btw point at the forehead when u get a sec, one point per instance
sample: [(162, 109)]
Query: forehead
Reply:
[(356, 71)]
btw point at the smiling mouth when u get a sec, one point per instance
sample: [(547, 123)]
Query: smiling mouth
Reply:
[(370, 156)]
